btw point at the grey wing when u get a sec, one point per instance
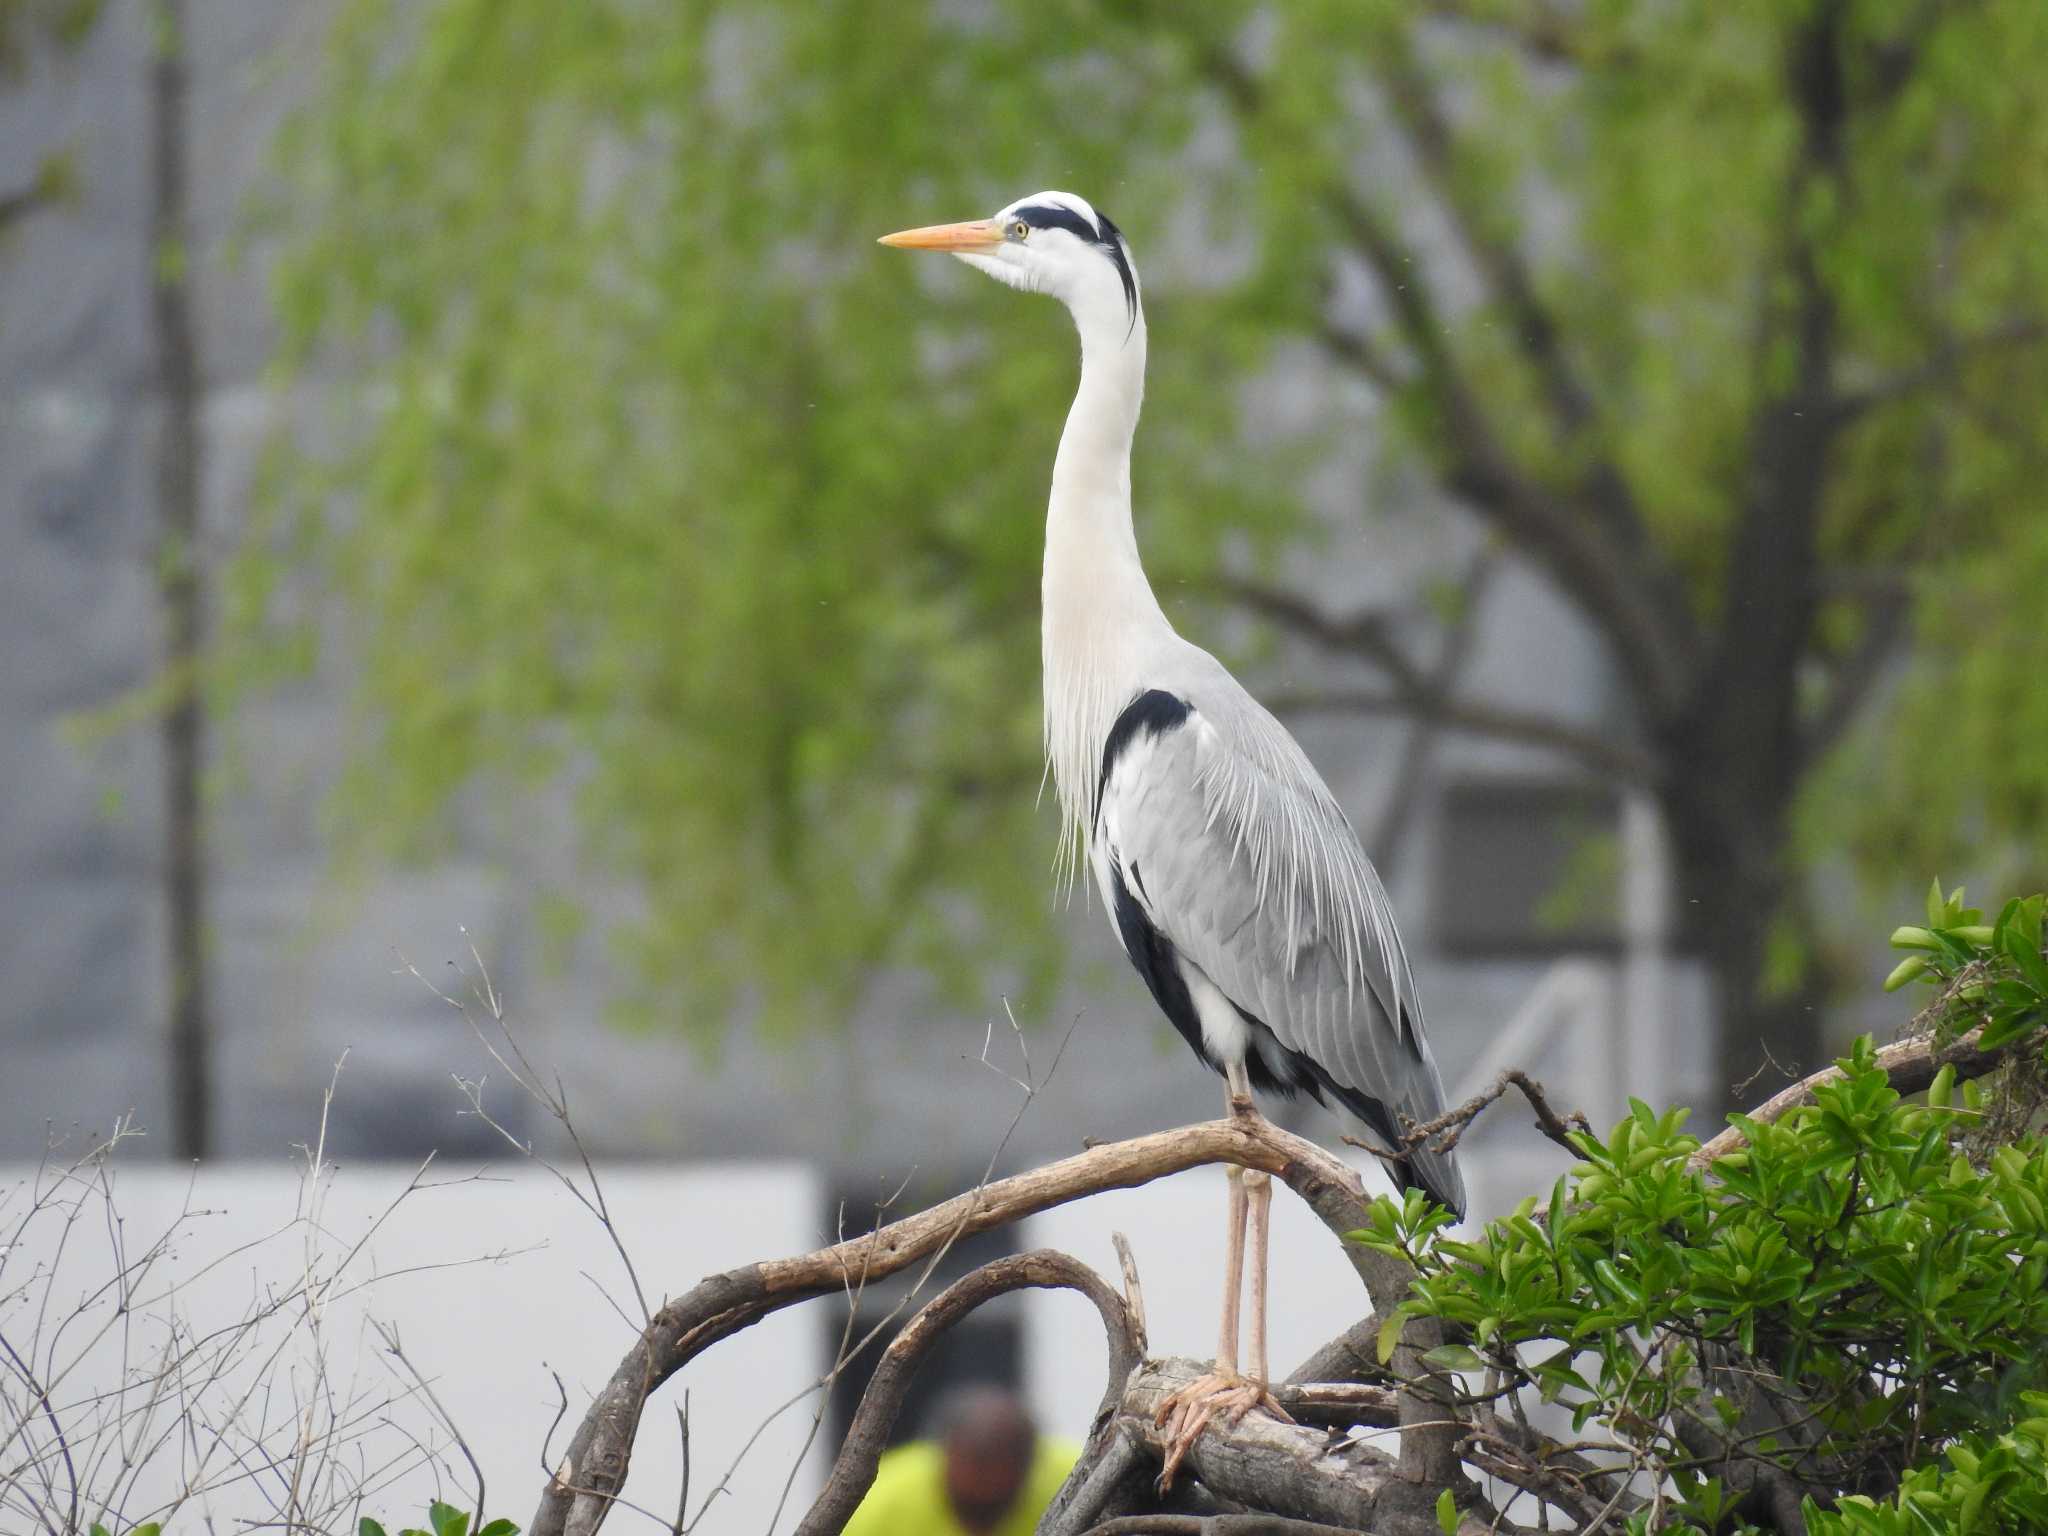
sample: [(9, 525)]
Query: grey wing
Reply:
[(1251, 871)]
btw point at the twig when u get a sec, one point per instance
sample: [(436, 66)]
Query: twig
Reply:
[(854, 1472), (514, 1062), (1030, 1086), (1134, 1292), (683, 1497), (389, 1334), (42, 1398), (1451, 1125), (1215, 1525)]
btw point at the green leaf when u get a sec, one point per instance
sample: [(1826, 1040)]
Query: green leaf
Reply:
[(447, 1520), (500, 1527), (368, 1527), (1454, 1357), (1906, 970), (1447, 1513), (1390, 1332)]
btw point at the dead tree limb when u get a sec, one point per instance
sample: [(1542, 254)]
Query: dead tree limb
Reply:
[(1291, 1470), (854, 1472), (1446, 1130), (1214, 1525), (1518, 1454), (584, 1485), (1911, 1065), (1354, 1355)]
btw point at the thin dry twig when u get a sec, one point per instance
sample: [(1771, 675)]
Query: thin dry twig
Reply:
[(1134, 1291), (854, 1471), (1449, 1127), (116, 1411)]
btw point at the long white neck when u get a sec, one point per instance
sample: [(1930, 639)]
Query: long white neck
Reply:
[(1101, 619)]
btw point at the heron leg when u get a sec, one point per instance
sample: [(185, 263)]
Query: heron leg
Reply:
[(1233, 1271), (1237, 1091), (1258, 1193), (1186, 1413), (1237, 1100)]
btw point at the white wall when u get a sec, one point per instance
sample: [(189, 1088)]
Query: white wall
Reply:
[(487, 1335)]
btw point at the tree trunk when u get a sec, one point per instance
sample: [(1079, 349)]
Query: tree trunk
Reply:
[(180, 593), (1733, 887)]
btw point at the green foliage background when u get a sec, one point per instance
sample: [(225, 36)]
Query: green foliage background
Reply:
[(658, 478)]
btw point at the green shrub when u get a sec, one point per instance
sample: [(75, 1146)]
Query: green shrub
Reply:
[(1852, 1307)]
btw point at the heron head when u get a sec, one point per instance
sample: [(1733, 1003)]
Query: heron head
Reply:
[(1049, 242)]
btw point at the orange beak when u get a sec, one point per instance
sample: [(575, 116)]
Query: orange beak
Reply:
[(975, 235)]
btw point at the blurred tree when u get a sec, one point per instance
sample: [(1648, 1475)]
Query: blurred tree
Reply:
[(181, 584), (1727, 316), (25, 26)]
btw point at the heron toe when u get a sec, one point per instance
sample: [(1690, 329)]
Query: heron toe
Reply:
[(1183, 1415)]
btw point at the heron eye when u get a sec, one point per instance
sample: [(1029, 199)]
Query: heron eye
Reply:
[(1019, 230)]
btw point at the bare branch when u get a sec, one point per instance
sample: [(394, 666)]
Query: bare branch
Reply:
[(1601, 755), (1291, 1470), (1541, 30), (854, 1472), (1367, 634), (1353, 1356), (1651, 639), (1215, 1525), (1910, 1064), (683, 1493), (1858, 672), (1445, 1131), (1134, 1293), (1940, 367), (1561, 1476), (389, 1334), (583, 1487)]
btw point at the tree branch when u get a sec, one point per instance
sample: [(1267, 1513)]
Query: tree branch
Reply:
[(583, 1487), (1910, 1065), (1446, 1129), (1534, 1462), (1365, 633), (1288, 1469), (19, 205), (1940, 367), (1649, 639), (1605, 756), (854, 1472), (1352, 1356), (1857, 673), (1540, 30), (1574, 416), (1215, 1525)]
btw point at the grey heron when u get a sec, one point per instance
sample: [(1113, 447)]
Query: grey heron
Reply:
[(1231, 875)]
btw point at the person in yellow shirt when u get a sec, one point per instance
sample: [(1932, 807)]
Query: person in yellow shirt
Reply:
[(989, 1473)]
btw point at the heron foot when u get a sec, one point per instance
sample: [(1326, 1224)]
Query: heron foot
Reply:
[(1242, 1107), (1220, 1394)]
